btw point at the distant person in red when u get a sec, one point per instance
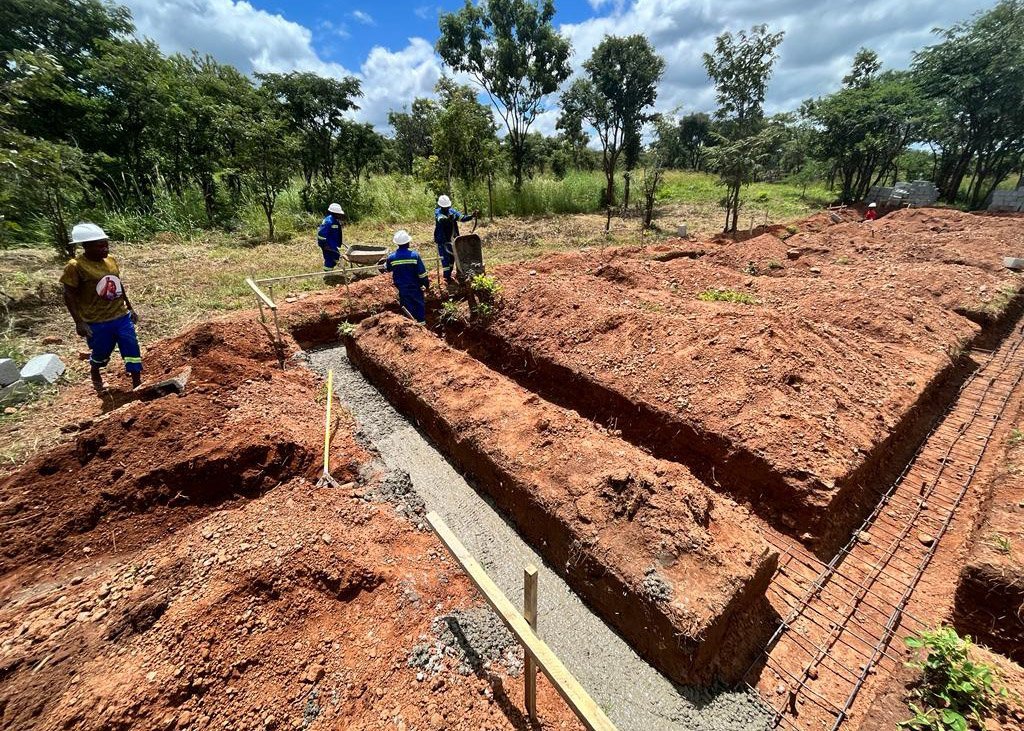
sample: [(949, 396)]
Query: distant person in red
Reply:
[(872, 212)]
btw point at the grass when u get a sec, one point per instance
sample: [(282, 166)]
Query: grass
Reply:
[(1000, 543), (726, 295)]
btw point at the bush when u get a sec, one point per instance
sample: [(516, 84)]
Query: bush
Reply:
[(955, 692)]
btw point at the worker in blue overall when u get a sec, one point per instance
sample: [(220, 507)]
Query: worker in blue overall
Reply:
[(446, 228), (409, 275), (329, 236)]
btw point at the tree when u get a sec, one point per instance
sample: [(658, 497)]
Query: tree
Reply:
[(314, 107), (511, 49), (358, 146), (863, 128), (129, 107), (980, 121), (621, 84), (865, 67), (740, 66), (413, 130), (266, 161), (463, 134)]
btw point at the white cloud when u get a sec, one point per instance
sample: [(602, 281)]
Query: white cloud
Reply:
[(392, 79), (821, 39), (233, 32), (255, 41), (363, 17)]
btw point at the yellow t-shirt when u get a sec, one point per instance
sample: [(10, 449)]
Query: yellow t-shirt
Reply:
[(99, 294)]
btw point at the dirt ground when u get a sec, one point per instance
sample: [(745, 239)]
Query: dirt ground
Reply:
[(172, 565), (990, 596), (791, 399), (638, 538)]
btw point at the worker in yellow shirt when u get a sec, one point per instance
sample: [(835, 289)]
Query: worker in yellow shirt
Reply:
[(94, 295)]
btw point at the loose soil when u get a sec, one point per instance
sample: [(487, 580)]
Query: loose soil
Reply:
[(659, 556), (172, 565), (798, 402)]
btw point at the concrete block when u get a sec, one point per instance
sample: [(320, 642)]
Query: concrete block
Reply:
[(13, 393), (9, 372), (45, 368)]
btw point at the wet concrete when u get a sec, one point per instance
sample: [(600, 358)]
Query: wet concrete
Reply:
[(631, 692)]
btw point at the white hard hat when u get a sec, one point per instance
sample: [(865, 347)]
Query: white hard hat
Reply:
[(401, 237), (444, 201), (872, 205), (335, 208), (83, 233)]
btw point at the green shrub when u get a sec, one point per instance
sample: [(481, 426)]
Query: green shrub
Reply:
[(955, 693), (726, 295), (345, 329), (450, 312), (485, 285)]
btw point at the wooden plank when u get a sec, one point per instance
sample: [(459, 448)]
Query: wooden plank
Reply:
[(530, 615), (259, 293), (567, 686)]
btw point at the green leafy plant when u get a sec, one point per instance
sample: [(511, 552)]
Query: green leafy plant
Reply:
[(726, 295), (773, 265), (450, 312), (485, 285), (483, 311), (345, 329), (955, 693), (1016, 436)]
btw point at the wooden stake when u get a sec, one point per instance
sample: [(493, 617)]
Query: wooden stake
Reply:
[(530, 615), (593, 718)]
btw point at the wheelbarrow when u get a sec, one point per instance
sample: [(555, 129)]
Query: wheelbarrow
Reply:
[(364, 254)]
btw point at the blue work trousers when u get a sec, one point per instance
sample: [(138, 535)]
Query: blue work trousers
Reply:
[(119, 332), (414, 301), (331, 257), (447, 255)]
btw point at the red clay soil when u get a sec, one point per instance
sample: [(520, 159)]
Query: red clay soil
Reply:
[(173, 566), (797, 402), (660, 557), (990, 596)]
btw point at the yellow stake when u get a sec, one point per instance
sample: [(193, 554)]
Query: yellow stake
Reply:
[(325, 478)]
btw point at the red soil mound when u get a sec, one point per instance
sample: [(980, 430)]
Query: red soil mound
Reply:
[(816, 389), (170, 568), (663, 559)]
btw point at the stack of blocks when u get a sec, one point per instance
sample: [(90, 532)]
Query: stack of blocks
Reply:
[(916, 193), (1010, 201), (14, 381)]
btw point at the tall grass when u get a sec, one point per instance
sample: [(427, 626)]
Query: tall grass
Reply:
[(397, 199)]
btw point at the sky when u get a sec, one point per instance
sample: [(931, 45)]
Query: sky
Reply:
[(389, 45)]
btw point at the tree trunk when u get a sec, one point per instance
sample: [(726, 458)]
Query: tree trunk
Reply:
[(268, 208), (736, 208), (625, 192), (490, 197)]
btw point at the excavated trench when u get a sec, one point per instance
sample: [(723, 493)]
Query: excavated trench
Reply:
[(633, 693)]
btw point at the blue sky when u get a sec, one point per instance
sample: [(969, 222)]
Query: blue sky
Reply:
[(390, 45)]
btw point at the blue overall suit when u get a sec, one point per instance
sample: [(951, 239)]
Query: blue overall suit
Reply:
[(329, 238), (446, 228), (410, 278)]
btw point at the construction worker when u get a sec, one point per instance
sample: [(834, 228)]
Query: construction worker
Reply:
[(872, 213), (94, 295), (409, 275), (446, 228), (329, 236)]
